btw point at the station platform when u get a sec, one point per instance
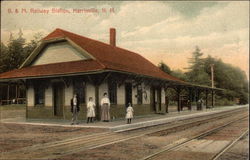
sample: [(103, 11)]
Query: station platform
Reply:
[(120, 124)]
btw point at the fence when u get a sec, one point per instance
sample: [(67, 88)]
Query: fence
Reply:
[(13, 101)]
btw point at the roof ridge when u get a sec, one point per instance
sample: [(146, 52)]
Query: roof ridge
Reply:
[(68, 32), (86, 43), (119, 48), (59, 30), (116, 47), (98, 61)]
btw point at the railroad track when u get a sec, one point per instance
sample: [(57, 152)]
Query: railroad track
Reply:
[(81, 143), (155, 128), (175, 147), (226, 148), (182, 124)]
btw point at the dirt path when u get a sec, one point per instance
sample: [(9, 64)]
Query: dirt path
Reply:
[(53, 142), (15, 136), (139, 147), (239, 151), (206, 147)]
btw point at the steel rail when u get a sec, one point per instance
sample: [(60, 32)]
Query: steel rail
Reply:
[(204, 134), (229, 145), (135, 135), (85, 138), (107, 138), (190, 118)]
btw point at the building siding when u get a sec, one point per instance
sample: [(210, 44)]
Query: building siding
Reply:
[(40, 112), (49, 96), (60, 52), (121, 95), (102, 89), (117, 111), (163, 104), (68, 94), (162, 96), (134, 94), (146, 94), (90, 91), (30, 96)]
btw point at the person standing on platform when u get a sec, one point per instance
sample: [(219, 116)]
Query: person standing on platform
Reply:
[(130, 113), (105, 107), (90, 110), (74, 109), (201, 101)]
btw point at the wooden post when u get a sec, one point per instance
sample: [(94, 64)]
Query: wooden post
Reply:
[(202, 102), (178, 99), (18, 91), (8, 94), (212, 74), (212, 79), (166, 100), (190, 98), (98, 114), (197, 100), (212, 98), (206, 99), (26, 103), (16, 95)]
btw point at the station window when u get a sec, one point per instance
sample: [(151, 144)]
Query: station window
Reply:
[(39, 94), (112, 90), (79, 89), (139, 94)]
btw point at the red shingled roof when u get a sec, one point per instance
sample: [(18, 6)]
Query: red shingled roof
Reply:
[(54, 69), (107, 57)]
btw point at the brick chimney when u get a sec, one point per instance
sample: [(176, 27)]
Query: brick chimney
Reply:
[(112, 34)]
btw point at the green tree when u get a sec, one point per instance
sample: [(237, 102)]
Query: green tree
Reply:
[(228, 77), (29, 48), (164, 67), (197, 73), (179, 74), (3, 56), (16, 51), (176, 73)]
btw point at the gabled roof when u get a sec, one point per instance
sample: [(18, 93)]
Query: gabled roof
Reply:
[(54, 69), (107, 57)]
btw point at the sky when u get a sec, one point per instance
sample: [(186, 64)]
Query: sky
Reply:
[(161, 31)]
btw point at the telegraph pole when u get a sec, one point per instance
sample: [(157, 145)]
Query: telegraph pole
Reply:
[(212, 79), (212, 74)]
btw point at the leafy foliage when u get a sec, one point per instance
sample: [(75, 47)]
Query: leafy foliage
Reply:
[(164, 67), (176, 73), (226, 76), (179, 74), (3, 56), (16, 51), (196, 73)]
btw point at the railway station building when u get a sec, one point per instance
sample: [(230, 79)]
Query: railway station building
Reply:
[(65, 63)]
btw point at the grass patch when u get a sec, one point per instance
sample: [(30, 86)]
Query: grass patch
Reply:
[(13, 107)]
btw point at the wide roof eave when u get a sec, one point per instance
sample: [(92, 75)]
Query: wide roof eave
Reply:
[(109, 70)]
